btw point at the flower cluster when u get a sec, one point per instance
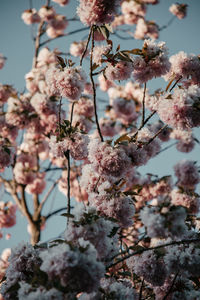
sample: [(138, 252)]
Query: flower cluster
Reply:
[(68, 83), (97, 12)]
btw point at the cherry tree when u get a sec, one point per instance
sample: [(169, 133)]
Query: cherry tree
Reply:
[(127, 235)]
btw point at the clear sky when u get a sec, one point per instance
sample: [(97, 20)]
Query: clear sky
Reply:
[(17, 46)]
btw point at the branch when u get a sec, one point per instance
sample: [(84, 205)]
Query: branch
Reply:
[(37, 43), (47, 196), (152, 248), (24, 206)]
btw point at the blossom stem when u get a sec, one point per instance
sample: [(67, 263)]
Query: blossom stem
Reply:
[(142, 125), (143, 106), (86, 47), (67, 155), (72, 112), (175, 83), (93, 87)]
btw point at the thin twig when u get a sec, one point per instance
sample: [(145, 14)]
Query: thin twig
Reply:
[(59, 115), (166, 148), (86, 47), (67, 155), (140, 294), (168, 23), (175, 83), (142, 125), (67, 34), (157, 133), (123, 37), (47, 196), (93, 87), (171, 287), (99, 72), (143, 106), (72, 112), (54, 212)]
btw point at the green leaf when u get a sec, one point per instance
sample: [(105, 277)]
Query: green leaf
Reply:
[(104, 31), (109, 28), (67, 215), (61, 61)]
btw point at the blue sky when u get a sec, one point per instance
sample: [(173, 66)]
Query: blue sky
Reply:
[(17, 46)]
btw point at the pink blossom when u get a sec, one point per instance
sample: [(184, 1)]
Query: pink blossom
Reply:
[(4, 262), (58, 22), (76, 144), (107, 127), (179, 110), (24, 170), (185, 139), (104, 83), (6, 91), (84, 107), (61, 2), (168, 222), (46, 57), (179, 10), (132, 10), (2, 61), (98, 52), (108, 161), (146, 29), (184, 66), (90, 222), (82, 123), (18, 111), (69, 83), (119, 207), (30, 16), (37, 186), (7, 214), (118, 20), (54, 33), (76, 269), (90, 179), (97, 12), (150, 267), (47, 13), (6, 156), (187, 173), (77, 48), (120, 71), (153, 63), (124, 109), (190, 201)]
